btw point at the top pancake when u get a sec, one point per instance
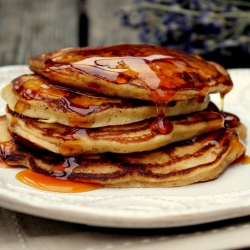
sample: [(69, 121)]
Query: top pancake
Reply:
[(145, 72)]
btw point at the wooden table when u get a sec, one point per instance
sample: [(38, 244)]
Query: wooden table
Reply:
[(32, 27)]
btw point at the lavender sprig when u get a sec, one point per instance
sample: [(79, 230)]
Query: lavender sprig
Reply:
[(196, 26)]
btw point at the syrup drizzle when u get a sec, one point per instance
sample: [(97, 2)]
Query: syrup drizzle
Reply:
[(162, 71), (230, 120), (222, 99), (244, 160), (161, 124), (65, 170), (63, 98), (158, 69), (52, 184), (6, 149)]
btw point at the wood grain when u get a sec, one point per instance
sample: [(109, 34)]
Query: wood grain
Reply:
[(32, 27)]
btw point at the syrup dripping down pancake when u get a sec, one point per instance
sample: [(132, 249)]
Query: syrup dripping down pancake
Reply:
[(144, 72), (230, 121), (34, 96), (201, 159), (135, 137)]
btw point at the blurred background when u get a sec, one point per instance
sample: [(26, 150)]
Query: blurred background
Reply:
[(30, 27), (218, 30)]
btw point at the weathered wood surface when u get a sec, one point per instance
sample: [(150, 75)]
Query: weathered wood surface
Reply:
[(30, 27), (105, 26)]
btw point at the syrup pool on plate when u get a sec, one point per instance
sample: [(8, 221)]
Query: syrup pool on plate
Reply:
[(53, 184)]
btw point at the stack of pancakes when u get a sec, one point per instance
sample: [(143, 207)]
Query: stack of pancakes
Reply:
[(121, 116)]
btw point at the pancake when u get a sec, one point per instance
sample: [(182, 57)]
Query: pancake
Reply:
[(135, 137), (201, 159), (34, 96), (37, 63), (138, 71)]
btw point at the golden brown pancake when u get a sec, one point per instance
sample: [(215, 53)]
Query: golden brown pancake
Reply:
[(139, 71), (201, 159), (135, 137), (34, 96), (37, 63)]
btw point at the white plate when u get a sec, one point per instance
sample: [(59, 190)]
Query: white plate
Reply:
[(226, 197)]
